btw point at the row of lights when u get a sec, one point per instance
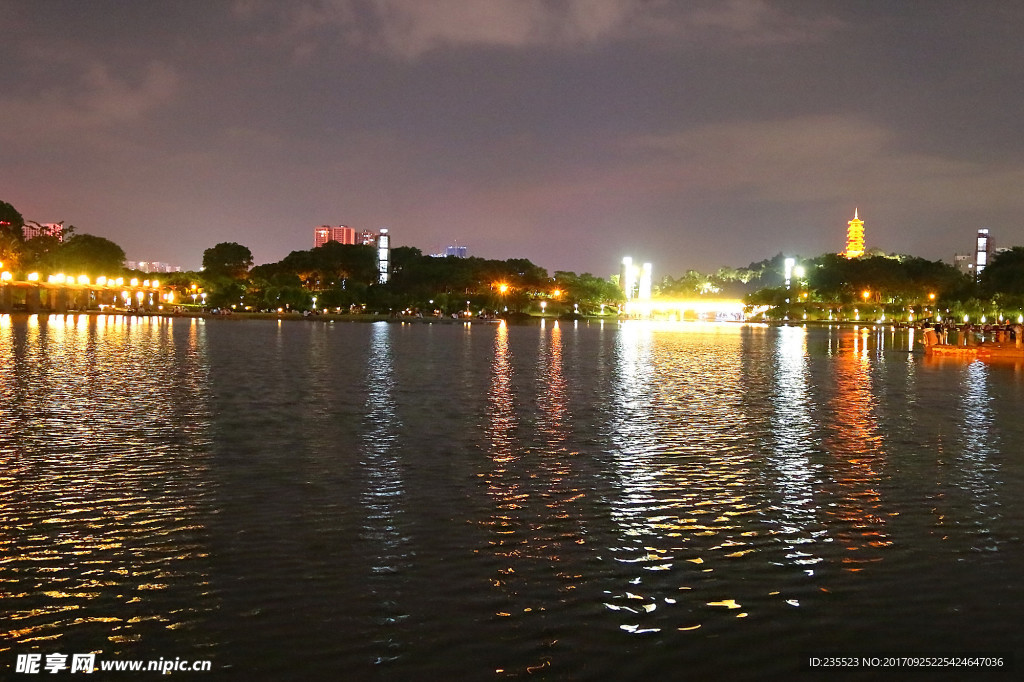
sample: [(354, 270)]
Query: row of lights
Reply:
[(61, 278), (100, 281)]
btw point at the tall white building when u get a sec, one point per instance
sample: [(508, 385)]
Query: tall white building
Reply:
[(982, 249), (383, 256)]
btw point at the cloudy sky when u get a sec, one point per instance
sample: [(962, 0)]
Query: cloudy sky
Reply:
[(694, 134)]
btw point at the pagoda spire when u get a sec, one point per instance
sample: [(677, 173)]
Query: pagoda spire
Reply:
[(855, 236)]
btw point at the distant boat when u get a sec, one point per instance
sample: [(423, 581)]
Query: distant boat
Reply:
[(989, 350)]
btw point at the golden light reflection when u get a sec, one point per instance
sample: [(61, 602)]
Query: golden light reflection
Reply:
[(685, 507), (535, 526), (856, 446), (103, 481)]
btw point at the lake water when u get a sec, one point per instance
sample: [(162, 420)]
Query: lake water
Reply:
[(316, 500)]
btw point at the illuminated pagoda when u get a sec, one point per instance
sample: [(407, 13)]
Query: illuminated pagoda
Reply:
[(855, 237)]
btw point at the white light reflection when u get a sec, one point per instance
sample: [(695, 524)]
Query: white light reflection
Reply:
[(980, 441), (793, 430), (684, 464), (633, 429), (382, 498)]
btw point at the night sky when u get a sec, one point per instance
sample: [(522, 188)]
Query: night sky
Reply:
[(691, 134)]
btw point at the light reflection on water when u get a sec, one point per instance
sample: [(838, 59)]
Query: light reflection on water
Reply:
[(858, 456), (572, 500), (684, 472), (104, 490), (792, 467)]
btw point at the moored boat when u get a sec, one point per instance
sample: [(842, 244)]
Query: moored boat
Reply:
[(988, 350)]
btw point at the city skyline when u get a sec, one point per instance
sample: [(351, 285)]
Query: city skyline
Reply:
[(694, 135)]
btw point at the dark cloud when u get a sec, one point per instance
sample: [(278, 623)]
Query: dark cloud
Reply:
[(570, 132)]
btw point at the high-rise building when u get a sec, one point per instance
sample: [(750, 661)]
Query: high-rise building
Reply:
[(383, 256), (982, 249), (327, 233), (368, 238), (964, 262), (152, 266), (457, 251), (32, 229), (854, 237)]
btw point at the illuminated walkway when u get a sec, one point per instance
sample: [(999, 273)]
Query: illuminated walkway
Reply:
[(59, 293), (682, 309)]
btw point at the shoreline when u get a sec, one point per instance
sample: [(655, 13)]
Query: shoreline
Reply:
[(373, 317)]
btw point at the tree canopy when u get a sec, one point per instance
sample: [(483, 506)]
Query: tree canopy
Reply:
[(227, 259), (1005, 273), (87, 253), (11, 222)]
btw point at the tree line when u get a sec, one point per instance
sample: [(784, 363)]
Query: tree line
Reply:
[(344, 276), (61, 251)]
